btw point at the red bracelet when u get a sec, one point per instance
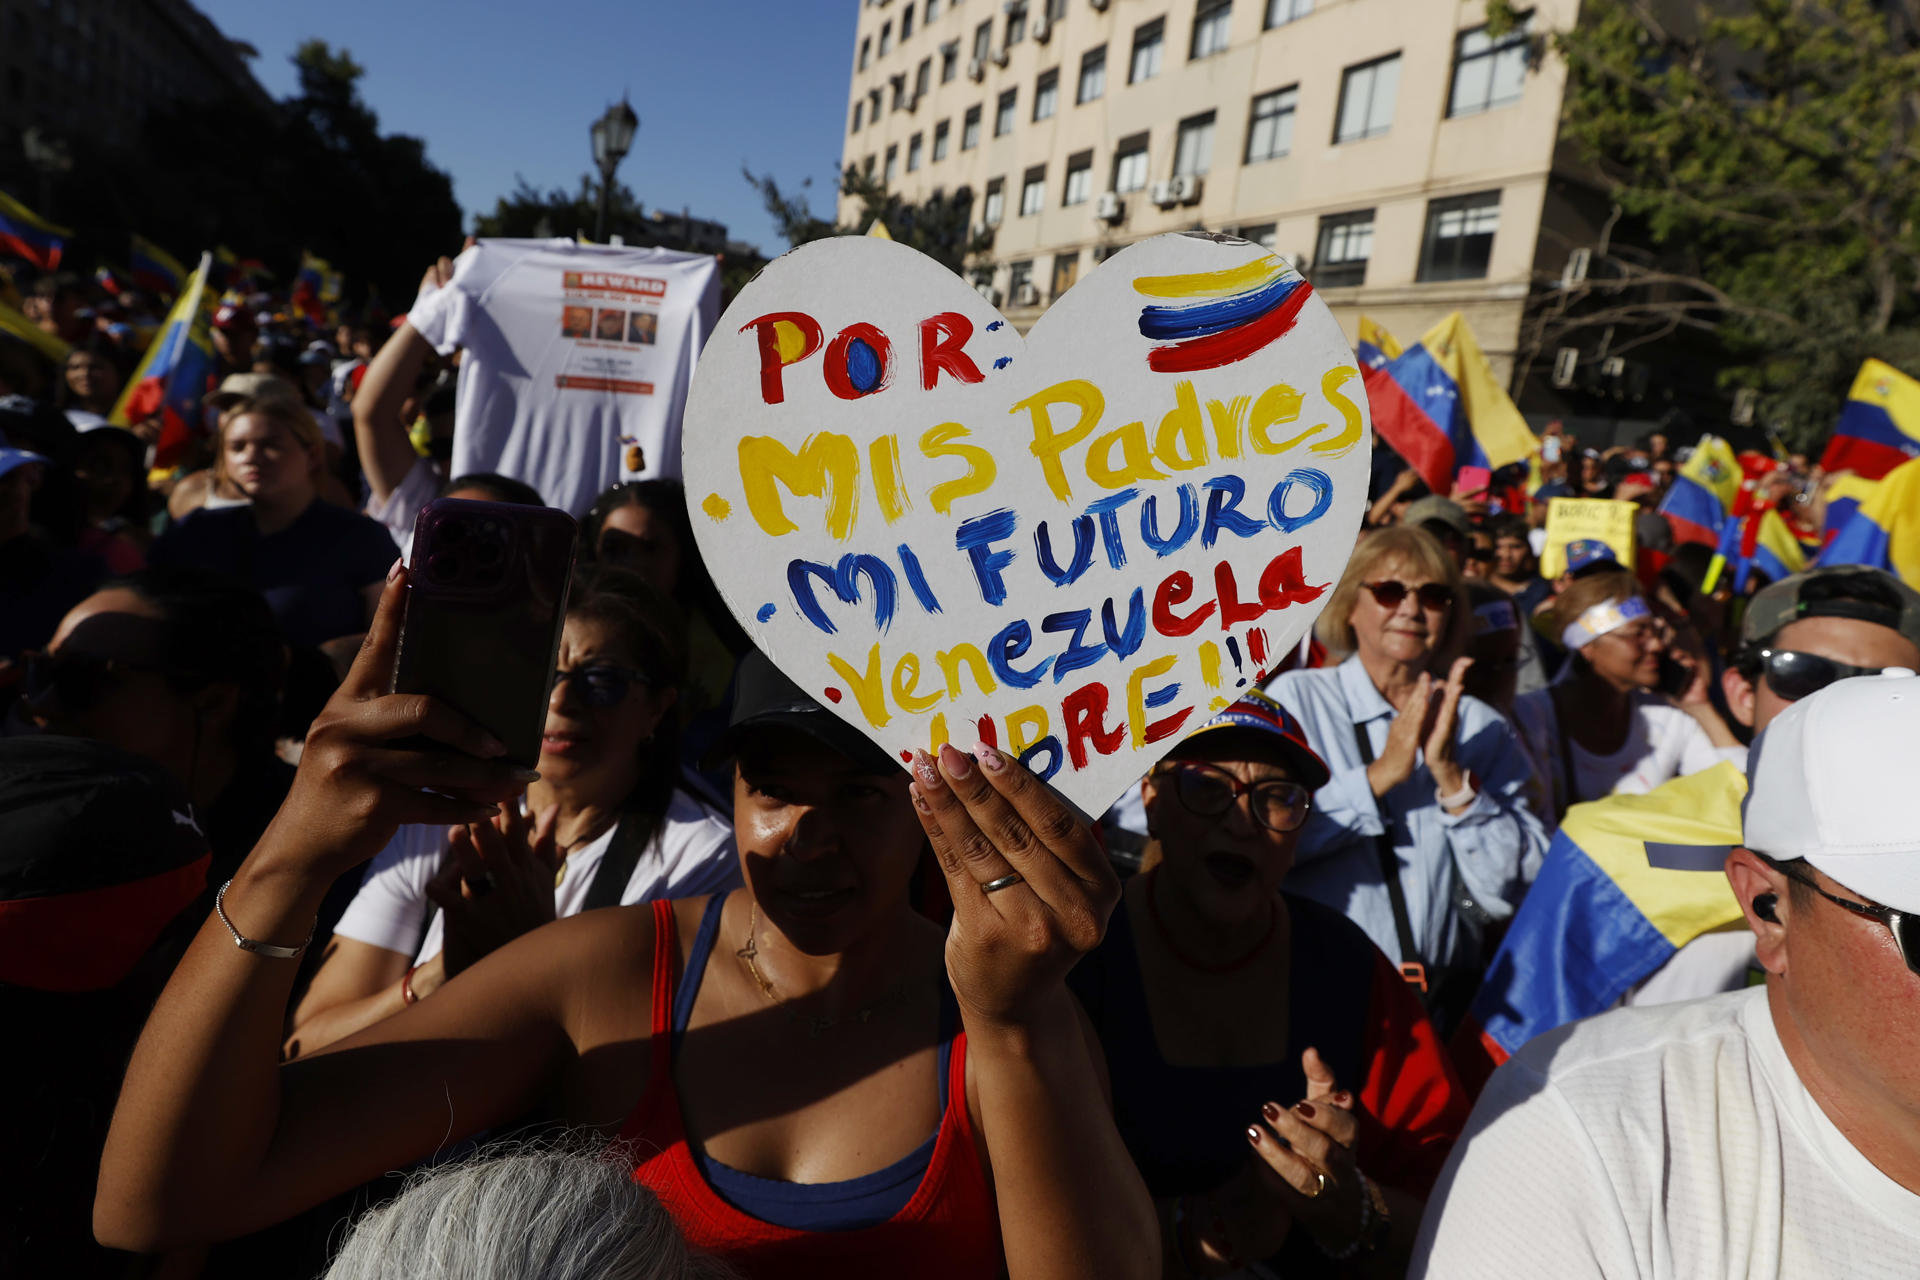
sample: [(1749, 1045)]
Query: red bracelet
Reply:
[(406, 987)]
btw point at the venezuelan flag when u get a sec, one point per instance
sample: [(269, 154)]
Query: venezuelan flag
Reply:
[(1376, 346), (1880, 426), (1760, 540), (1438, 405), (25, 234), (1215, 318), (173, 375), (1885, 531), (1623, 887), (1844, 496), (1703, 492), (309, 283), (15, 324), (155, 270)]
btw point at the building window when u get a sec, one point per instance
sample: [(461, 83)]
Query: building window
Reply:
[(1046, 95), (982, 41), (868, 166), (1270, 132), (899, 85), (1148, 41), (996, 204), (933, 9), (1488, 73), (906, 22), (1033, 191), (940, 132), (886, 38), (949, 60), (1130, 164), (970, 128), (923, 78), (1346, 242), (1003, 114), (1193, 151), (1366, 99), (1016, 25), (873, 106), (1019, 279), (914, 150), (1079, 178), (1211, 21), (893, 163), (866, 51), (1262, 235), (858, 108), (1459, 239), (1066, 269), (1093, 75), (1281, 12)]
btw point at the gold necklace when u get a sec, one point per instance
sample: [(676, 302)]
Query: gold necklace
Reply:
[(816, 1023)]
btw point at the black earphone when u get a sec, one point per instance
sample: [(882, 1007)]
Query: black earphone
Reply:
[(1763, 906)]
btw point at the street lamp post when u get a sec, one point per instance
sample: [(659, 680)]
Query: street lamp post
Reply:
[(612, 138)]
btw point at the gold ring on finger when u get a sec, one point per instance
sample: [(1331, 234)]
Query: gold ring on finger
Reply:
[(1319, 1185)]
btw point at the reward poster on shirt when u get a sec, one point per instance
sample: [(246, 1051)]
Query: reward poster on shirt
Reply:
[(612, 318), (1075, 546)]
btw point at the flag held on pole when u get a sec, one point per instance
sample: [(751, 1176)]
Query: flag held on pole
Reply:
[(1440, 407), (25, 234)]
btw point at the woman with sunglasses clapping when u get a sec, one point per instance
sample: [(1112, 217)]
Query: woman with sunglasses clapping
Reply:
[(1422, 836), (1279, 1088), (605, 824)]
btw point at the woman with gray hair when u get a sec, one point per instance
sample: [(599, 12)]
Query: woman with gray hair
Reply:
[(518, 1212)]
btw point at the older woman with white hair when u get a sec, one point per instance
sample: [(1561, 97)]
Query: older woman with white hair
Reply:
[(1423, 835), (523, 1213)]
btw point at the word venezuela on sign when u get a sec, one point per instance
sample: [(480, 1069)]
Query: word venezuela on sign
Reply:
[(1074, 547)]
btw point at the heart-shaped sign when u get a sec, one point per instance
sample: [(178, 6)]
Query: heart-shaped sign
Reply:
[(1076, 546)]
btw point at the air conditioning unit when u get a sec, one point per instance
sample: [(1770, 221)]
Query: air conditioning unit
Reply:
[(1099, 6), (986, 290), (913, 101), (1185, 189), (1566, 363), (1026, 295), (1613, 368), (1043, 28), (1161, 193), (976, 69), (1000, 56), (1576, 269), (1109, 207), (1745, 401)]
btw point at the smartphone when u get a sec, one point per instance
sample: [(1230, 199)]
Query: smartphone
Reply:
[(1674, 678), (1473, 482), (486, 597)]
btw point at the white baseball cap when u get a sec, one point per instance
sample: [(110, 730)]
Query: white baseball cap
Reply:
[(1831, 780)]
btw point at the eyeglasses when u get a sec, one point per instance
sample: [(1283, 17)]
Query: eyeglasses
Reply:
[(76, 681), (1388, 594), (1795, 675), (1208, 791), (602, 685), (1904, 927)]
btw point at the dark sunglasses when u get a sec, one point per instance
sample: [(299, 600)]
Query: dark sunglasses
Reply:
[(1904, 926), (602, 685), (1795, 675), (76, 681), (1208, 791), (1388, 594)]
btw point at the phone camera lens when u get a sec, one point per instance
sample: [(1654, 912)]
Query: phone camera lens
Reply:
[(444, 568), (453, 531)]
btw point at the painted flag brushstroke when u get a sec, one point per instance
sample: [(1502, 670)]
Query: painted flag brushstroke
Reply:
[(25, 234), (1224, 316), (1440, 407), (1879, 428), (1607, 910)]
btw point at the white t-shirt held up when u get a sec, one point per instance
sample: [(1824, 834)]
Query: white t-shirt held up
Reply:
[(1674, 1142)]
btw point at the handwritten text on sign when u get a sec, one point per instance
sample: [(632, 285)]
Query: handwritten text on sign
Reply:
[(1075, 547)]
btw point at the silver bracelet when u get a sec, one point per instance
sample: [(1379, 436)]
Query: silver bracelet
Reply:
[(248, 944)]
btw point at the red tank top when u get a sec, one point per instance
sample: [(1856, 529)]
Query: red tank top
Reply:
[(949, 1229)]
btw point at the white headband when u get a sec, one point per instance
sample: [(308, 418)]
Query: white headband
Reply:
[(1608, 615)]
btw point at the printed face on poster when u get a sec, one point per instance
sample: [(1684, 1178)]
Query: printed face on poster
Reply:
[(1075, 547), (1571, 520)]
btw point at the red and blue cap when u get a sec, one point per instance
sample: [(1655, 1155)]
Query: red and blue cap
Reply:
[(1260, 713), (1590, 555)]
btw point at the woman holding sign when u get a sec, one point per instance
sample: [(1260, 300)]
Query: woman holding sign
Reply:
[(777, 1059), (1607, 729), (1422, 836), (1280, 1088)]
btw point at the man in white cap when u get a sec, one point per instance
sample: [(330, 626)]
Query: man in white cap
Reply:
[(1769, 1132)]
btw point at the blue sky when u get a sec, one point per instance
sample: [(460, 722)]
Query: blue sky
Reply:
[(510, 88)]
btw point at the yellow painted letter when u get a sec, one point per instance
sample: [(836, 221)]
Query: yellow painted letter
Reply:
[(938, 443), (1181, 443), (827, 462), (1138, 465), (868, 687), (1048, 444), (906, 681)]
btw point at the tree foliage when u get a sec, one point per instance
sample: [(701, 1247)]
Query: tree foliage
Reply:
[(939, 226), (1773, 151), (528, 211)]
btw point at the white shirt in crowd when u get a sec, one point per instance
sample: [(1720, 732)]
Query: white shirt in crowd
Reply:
[(691, 855), (1663, 743), (577, 360), (1667, 1142), (402, 504)]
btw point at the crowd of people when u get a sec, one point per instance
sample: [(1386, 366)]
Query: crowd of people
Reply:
[(718, 988)]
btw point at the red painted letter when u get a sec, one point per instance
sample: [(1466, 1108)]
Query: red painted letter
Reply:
[(1085, 711), (1285, 582), (942, 342), (766, 331), (1177, 589), (1232, 612)]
